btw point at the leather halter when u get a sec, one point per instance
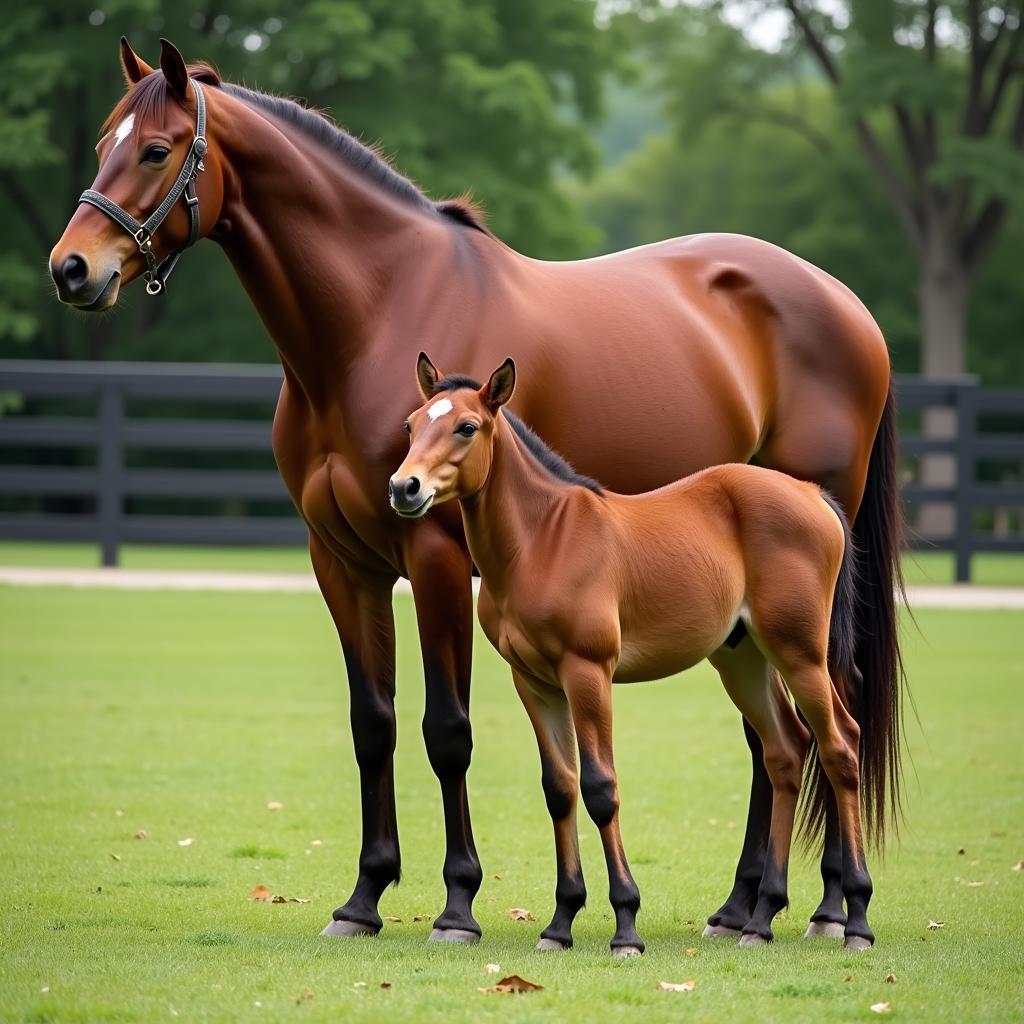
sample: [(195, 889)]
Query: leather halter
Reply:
[(185, 185)]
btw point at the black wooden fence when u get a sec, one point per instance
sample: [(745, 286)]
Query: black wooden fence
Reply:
[(88, 452)]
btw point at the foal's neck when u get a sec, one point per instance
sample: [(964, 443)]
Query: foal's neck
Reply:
[(322, 250), (503, 518)]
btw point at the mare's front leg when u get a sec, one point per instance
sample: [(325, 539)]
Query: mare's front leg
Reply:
[(552, 722), (361, 609), (440, 571), (588, 687)]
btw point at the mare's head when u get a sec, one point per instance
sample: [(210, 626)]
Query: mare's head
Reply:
[(143, 145), (451, 437)]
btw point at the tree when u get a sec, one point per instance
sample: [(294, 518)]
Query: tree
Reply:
[(933, 93), (489, 95)]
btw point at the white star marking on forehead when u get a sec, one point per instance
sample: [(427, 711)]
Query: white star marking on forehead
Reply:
[(439, 409), (124, 130)]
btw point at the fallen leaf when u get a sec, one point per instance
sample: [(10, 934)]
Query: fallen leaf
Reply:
[(519, 914), (393, 920), (692, 951), (513, 983), (881, 1007), (141, 834), (891, 979), (275, 805), (935, 925), (287, 899), (303, 997), (420, 917), (186, 842), (975, 885), (497, 878), (961, 851), (114, 856), (1019, 866), (385, 984), (849, 977), (492, 968), (683, 986), (261, 892)]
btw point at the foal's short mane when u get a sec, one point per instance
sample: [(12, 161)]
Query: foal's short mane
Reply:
[(549, 459), (147, 99)]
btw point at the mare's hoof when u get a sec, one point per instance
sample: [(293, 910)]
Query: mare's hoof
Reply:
[(825, 930), (748, 940), (720, 931), (858, 943), (348, 929), (551, 944), (622, 952), (453, 935)]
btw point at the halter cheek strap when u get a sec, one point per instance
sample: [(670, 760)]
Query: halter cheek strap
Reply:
[(156, 273)]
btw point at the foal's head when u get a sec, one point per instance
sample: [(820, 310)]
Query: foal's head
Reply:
[(451, 437)]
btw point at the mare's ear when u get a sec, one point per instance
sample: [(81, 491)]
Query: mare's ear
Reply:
[(499, 388), (134, 67), (172, 64), (427, 375)]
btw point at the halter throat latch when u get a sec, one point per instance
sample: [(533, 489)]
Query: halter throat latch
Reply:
[(157, 272)]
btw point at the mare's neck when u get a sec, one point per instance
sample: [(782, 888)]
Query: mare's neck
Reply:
[(504, 517), (321, 249)]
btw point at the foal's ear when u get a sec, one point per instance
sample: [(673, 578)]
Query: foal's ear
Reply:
[(134, 67), (426, 375), (501, 385), (172, 64)]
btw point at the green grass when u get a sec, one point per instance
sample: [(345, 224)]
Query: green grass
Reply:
[(921, 567), (184, 714)]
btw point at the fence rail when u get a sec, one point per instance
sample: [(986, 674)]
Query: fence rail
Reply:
[(96, 494)]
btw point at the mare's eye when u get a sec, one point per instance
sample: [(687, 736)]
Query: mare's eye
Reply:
[(155, 155), (466, 429), (407, 427)]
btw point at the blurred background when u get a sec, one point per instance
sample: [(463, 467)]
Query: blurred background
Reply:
[(880, 139)]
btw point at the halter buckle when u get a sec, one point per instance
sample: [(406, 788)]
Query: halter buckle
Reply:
[(144, 241), (154, 286)]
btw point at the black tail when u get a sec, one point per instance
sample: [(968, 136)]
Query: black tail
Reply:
[(864, 652)]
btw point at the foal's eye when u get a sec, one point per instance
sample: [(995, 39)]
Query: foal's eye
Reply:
[(155, 155), (466, 429), (407, 427)]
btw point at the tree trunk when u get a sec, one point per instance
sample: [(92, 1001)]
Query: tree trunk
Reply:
[(943, 294)]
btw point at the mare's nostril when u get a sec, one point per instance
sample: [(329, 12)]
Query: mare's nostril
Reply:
[(75, 271), (412, 486)]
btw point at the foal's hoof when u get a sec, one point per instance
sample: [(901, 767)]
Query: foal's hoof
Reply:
[(453, 935), (825, 930), (858, 943), (748, 940), (551, 944), (720, 931), (622, 952), (348, 929)]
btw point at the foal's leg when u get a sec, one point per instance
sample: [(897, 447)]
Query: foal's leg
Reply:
[(361, 610), (744, 668), (589, 689), (784, 740), (552, 722)]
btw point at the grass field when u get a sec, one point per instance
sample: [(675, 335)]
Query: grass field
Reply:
[(185, 714), (921, 567)]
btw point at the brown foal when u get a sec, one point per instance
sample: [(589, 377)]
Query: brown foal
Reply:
[(583, 588)]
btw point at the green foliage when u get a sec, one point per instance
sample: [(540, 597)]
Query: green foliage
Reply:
[(490, 96)]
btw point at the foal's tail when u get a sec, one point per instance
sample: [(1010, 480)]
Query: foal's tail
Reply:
[(864, 651), (842, 667)]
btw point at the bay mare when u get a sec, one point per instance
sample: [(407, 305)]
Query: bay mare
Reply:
[(582, 588), (713, 348)]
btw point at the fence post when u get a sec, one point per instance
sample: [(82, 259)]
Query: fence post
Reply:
[(966, 472), (111, 455)]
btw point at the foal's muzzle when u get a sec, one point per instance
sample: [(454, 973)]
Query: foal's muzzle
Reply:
[(408, 498)]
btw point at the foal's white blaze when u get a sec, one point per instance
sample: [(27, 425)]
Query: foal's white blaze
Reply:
[(123, 130), (440, 408)]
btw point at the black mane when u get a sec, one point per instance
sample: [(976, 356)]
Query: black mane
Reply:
[(548, 458)]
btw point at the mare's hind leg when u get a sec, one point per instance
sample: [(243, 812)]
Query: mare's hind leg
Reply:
[(549, 712), (589, 689), (764, 704), (743, 669)]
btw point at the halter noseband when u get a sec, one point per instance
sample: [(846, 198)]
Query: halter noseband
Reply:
[(157, 273)]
